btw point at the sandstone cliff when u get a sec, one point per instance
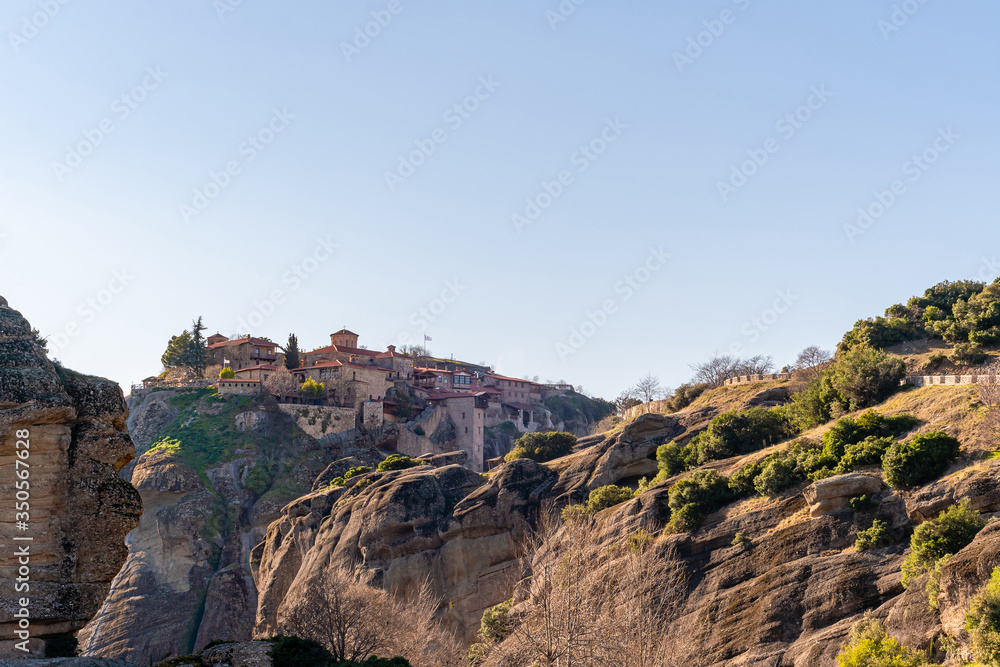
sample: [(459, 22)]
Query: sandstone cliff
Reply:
[(80, 509), (214, 473)]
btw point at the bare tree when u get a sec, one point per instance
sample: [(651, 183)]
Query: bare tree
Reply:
[(649, 389), (281, 382), (722, 367), (415, 350), (354, 621), (589, 602), (811, 358)]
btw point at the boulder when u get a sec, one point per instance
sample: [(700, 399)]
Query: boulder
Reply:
[(833, 494)]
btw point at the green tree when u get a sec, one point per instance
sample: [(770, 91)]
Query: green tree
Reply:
[(292, 355), (865, 376), (542, 447), (187, 349), (227, 373), (312, 390)]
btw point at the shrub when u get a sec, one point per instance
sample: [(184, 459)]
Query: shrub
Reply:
[(337, 481), (638, 542), (935, 360), (869, 645), (875, 536), (741, 432), (357, 470), (227, 373), (572, 514), (869, 451), (775, 476), (983, 622), (607, 496), (291, 651), (541, 447), (862, 503), (919, 460), (258, 479), (496, 624), (670, 459), (942, 536), (684, 396), (395, 462), (693, 498), (739, 538), (802, 460), (968, 354)]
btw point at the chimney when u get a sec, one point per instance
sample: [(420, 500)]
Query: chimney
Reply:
[(391, 348)]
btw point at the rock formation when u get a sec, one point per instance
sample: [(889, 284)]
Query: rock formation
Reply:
[(80, 509), (187, 579), (444, 524)]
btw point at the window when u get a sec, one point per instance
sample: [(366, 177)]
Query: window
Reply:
[(463, 416), (466, 429)]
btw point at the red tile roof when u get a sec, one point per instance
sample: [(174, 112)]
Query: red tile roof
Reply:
[(344, 332), (504, 377)]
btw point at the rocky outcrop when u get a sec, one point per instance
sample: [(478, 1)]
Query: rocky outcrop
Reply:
[(445, 525), (79, 509), (628, 454), (187, 580), (833, 494)]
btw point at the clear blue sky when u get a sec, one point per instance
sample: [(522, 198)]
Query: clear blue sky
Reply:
[(198, 81)]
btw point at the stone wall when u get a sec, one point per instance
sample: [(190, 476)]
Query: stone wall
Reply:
[(750, 379), (655, 407), (320, 420), (928, 380)]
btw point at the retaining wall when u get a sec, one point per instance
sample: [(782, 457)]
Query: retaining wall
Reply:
[(750, 379), (927, 380)]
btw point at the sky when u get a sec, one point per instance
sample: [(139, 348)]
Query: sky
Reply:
[(581, 191)]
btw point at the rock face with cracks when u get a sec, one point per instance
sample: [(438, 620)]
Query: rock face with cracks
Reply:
[(79, 509)]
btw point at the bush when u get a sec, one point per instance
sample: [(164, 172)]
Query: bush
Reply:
[(684, 396), (983, 622), (875, 536), (968, 354), (496, 624), (542, 447), (919, 460), (693, 498), (670, 459), (607, 496), (947, 534), (869, 645), (227, 373), (741, 432), (291, 651), (357, 470), (802, 460), (395, 462), (865, 376), (258, 479), (869, 451)]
